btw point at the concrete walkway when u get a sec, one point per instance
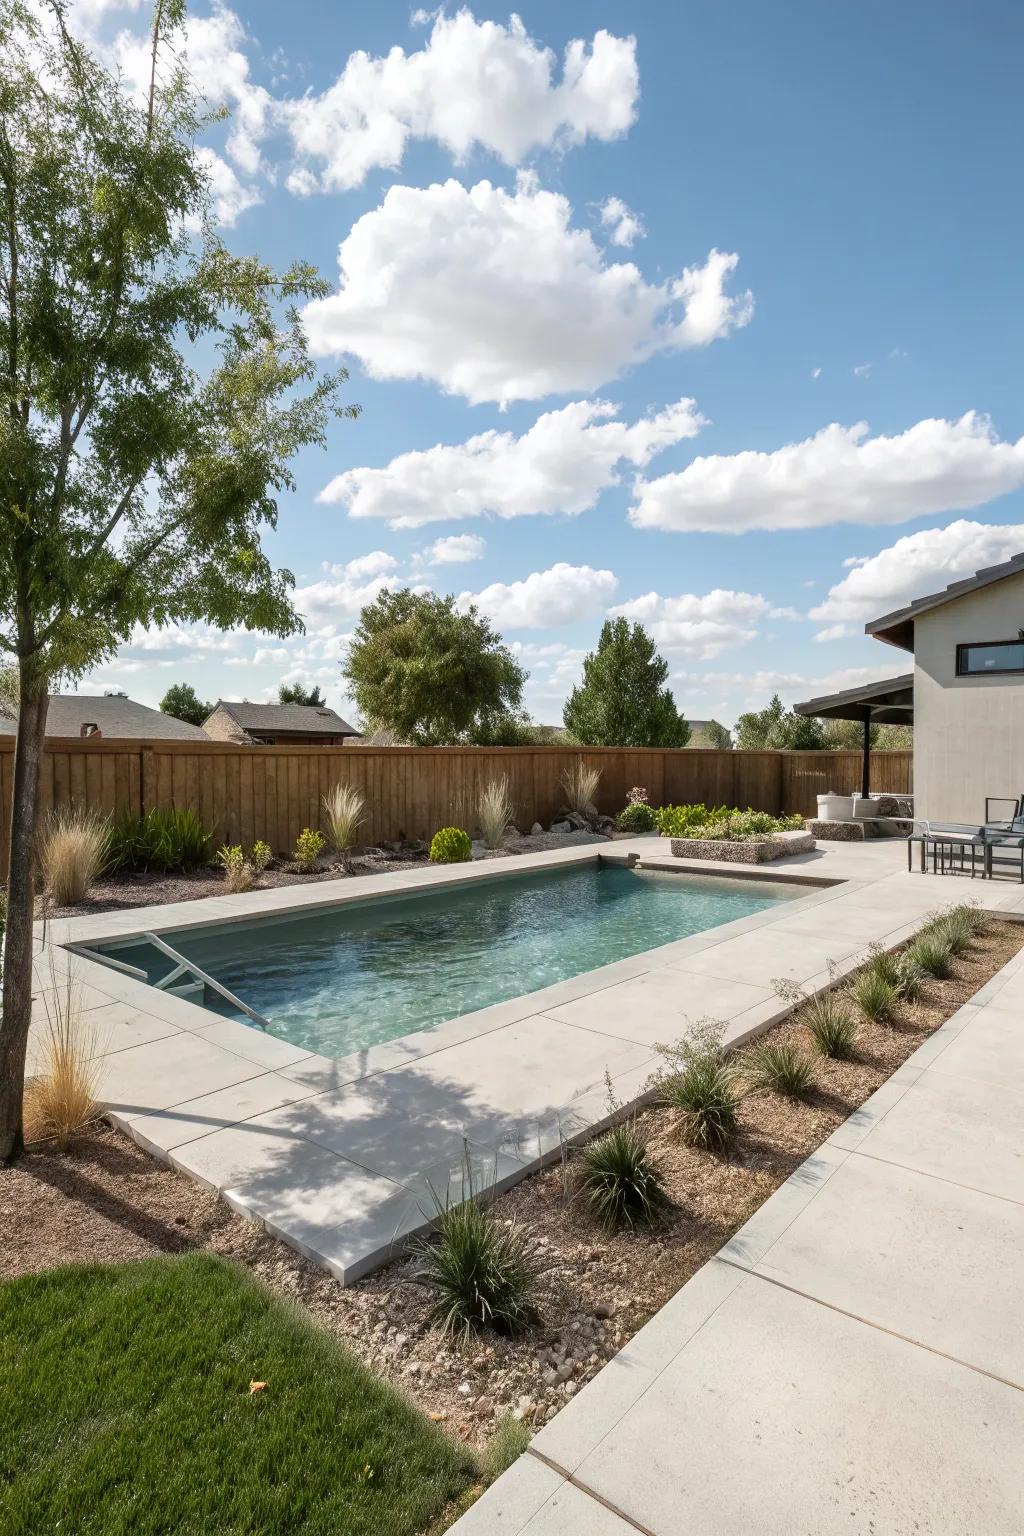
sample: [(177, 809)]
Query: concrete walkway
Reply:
[(853, 1360)]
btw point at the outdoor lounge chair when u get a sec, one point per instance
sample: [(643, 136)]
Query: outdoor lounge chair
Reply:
[(950, 840)]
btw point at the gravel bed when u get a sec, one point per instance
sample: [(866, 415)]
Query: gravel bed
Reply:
[(117, 892)]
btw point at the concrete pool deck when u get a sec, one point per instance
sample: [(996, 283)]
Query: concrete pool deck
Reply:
[(852, 1360), (342, 1157)]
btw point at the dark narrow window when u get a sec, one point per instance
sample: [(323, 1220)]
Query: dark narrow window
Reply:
[(993, 656)]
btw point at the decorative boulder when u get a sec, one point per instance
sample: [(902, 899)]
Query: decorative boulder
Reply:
[(560, 826), (536, 830)]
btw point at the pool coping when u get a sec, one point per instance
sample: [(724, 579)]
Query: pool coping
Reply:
[(346, 1190), (134, 923)]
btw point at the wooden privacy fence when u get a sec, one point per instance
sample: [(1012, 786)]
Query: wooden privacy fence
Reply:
[(245, 793)]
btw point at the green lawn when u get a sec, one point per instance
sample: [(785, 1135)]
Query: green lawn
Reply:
[(125, 1410)]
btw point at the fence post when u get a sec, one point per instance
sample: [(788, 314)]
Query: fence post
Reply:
[(147, 779)]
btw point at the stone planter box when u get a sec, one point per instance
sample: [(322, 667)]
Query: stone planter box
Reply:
[(760, 850)]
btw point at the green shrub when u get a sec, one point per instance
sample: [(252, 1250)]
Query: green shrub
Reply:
[(165, 839), (126, 848), (486, 1273), (876, 997), (721, 824), (638, 817), (309, 845), (931, 951), (619, 1181), (450, 846), (678, 820), (242, 870), (831, 1025), (780, 1066), (702, 1089)]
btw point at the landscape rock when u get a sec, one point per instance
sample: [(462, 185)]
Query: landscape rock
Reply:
[(537, 830), (561, 826)]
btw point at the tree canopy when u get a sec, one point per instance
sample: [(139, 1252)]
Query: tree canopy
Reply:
[(418, 666), (716, 735), (622, 700), (183, 703), (778, 728), (297, 693), (134, 486)]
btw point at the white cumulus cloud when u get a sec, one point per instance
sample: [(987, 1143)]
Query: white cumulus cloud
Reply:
[(622, 224), (915, 566), (699, 626), (562, 464), (495, 296), (841, 475), (560, 595), (457, 549), (344, 589), (472, 85)]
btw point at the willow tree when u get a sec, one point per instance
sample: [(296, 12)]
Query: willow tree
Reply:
[(153, 389)]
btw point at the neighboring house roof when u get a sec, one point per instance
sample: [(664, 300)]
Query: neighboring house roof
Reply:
[(286, 719), (118, 718), (897, 628)]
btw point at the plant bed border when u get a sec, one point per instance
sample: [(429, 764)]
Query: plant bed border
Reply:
[(755, 850)]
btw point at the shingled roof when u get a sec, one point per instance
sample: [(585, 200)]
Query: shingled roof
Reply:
[(287, 719), (118, 718)]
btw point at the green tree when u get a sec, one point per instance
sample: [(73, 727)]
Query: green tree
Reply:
[(183, 703), (433, 675), (716, 735), (297, 693), (133, 487), (777, 728), (623, 701)]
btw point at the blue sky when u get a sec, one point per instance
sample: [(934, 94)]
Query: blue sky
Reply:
[(861, 165)]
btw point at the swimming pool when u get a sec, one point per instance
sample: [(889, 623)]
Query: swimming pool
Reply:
[(338, 980)]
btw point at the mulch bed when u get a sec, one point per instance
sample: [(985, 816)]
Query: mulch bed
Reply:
[(107, 1200)]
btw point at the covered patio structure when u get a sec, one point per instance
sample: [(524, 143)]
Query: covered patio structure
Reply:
[(888, 702)]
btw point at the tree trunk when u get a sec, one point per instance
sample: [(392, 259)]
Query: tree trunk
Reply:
[(17, 982)]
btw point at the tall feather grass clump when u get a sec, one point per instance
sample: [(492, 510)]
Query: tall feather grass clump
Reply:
[(494, 812), (826, 1015), (931, 952), (701, 1087), (779, 1066), (618, 1179), (485, 1272), (344, 807), (876, 996), (955, 929), (580, 785), (60, 1096), (72, 855)]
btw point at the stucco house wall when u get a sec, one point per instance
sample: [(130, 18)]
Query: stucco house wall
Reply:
[(968, 731)]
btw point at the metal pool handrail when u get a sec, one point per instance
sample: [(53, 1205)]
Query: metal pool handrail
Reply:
[(190, 966)]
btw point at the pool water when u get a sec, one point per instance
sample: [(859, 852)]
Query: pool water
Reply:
[(358, 975)]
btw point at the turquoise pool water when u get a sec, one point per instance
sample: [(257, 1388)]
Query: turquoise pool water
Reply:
[(338, 981)]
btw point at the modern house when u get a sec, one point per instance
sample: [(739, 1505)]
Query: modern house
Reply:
[(111, 716), (268, 725), (968, 648)]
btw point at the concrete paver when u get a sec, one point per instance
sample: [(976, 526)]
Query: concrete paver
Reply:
[(852, 1359)]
